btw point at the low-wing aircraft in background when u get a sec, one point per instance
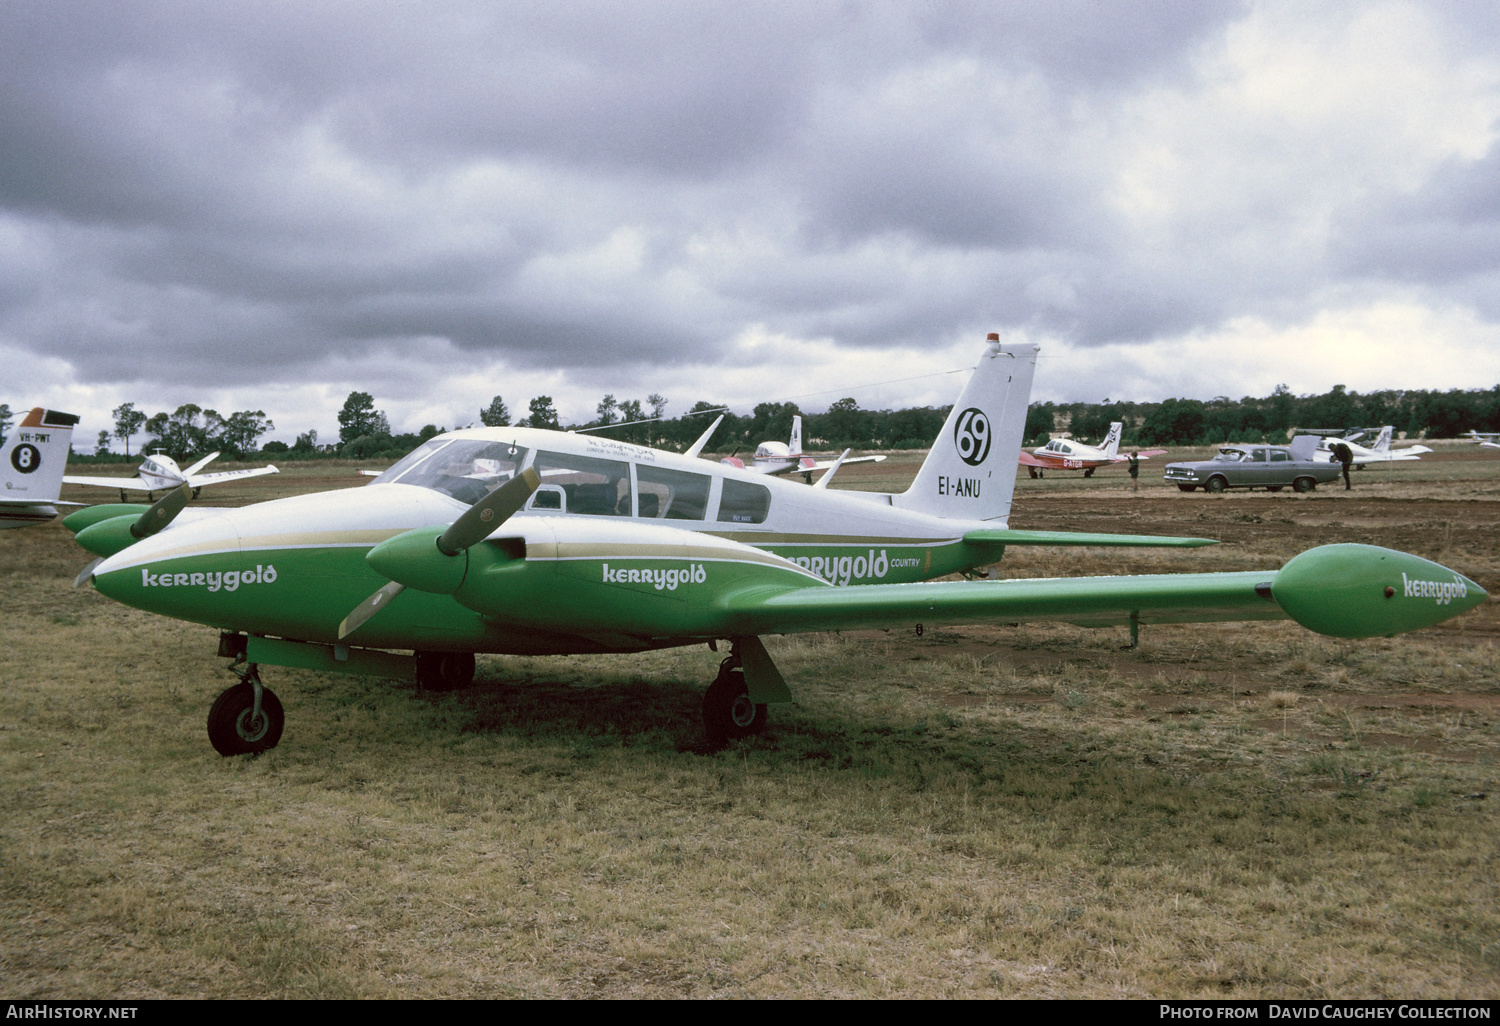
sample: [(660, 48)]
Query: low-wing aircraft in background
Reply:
[(788, 457), (527, 541), (1065, 454), (31, 468), (159, 472), (1378, 452)]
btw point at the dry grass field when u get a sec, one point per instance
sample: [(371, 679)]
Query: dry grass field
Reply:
[(1242, 810)]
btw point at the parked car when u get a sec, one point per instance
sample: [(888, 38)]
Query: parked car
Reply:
[(1272, 467)]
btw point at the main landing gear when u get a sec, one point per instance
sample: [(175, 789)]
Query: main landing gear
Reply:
[(728, 712), (247, 718)]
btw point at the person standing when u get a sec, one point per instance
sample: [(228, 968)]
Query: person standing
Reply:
[(1135, 470), (1345, 456)]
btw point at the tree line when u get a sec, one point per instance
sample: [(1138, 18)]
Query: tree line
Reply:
[(191, 431)]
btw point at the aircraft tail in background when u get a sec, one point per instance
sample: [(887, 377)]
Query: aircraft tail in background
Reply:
[(32, 462), (970, 472), (1111, 445)]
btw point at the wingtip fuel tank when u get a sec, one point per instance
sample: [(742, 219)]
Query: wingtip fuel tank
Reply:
[(1364, 591)]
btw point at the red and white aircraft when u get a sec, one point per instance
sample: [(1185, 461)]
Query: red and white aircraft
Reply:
[(788, 458), (1064, 454), (160, 473)]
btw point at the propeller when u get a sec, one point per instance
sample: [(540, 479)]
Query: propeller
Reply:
[(476, 524), (162, 512), (87, 572)]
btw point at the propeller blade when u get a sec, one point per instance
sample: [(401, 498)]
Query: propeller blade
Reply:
[(480, 519), (368, 608), (87, 572), (162, 512)]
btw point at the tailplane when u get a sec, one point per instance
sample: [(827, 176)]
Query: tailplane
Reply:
[(970, 472)]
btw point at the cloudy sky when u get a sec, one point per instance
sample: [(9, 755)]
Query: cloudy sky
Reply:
[(269, 205)]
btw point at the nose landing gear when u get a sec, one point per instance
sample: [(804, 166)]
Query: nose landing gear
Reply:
[(247, 718)]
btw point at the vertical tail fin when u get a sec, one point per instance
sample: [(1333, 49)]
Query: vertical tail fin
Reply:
[(970, 472), (35, 456), (1111, 444), (1383, 442), (795, 449)]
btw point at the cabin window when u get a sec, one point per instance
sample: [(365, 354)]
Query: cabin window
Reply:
[(467, 469), (590, 486), (1259, 456), (744, 503), (1280, 456), (671, 494)]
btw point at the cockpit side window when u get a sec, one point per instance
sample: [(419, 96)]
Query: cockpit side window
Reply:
[(671, 494), (467, 469), (589, 485), (744, 503)]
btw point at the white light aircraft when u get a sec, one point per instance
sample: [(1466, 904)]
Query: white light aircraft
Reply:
[(788, 457), (1066, 454), (31, 468), (159, 473), (1379, 452), (1487, 439)]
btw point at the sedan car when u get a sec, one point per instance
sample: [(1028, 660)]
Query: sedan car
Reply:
[(1272, 467)]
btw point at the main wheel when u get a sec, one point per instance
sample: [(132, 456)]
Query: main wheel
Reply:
[(1214, 484), (727, 710), (445, 671), (1304, 484), (235, 730), (1089, 472)]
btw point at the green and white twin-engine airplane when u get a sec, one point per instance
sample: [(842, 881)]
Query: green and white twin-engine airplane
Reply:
[(526, 541)]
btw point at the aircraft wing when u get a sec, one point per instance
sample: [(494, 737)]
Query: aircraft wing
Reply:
[(135, 484), (1343, 590), (1086, 601), (199, 480), (1026, 459), (828, 464), (1490, 445)]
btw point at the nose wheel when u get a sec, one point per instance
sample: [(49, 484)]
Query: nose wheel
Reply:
[(247, 718), (728, 712)]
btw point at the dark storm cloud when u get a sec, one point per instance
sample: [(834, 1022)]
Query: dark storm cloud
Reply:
[(186, 186)]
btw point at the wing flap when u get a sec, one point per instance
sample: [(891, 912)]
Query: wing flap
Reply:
[(1087, 601)]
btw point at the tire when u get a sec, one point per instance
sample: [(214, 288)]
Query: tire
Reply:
[(1089, 472), (445, 671), (1187, 488), (1215, 484), (1304, 484), (230, 729), (728, 712)]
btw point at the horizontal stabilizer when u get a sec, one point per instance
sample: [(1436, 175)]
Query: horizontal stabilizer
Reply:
[(1000, 536)]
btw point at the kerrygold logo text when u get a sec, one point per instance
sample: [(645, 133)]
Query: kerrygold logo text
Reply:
[(668, 579), (229, 580), (1443, 591)]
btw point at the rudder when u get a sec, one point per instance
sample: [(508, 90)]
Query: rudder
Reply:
[(970, 472)]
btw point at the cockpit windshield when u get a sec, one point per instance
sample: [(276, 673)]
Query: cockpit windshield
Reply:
[(1230, 456), (467, 469)]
